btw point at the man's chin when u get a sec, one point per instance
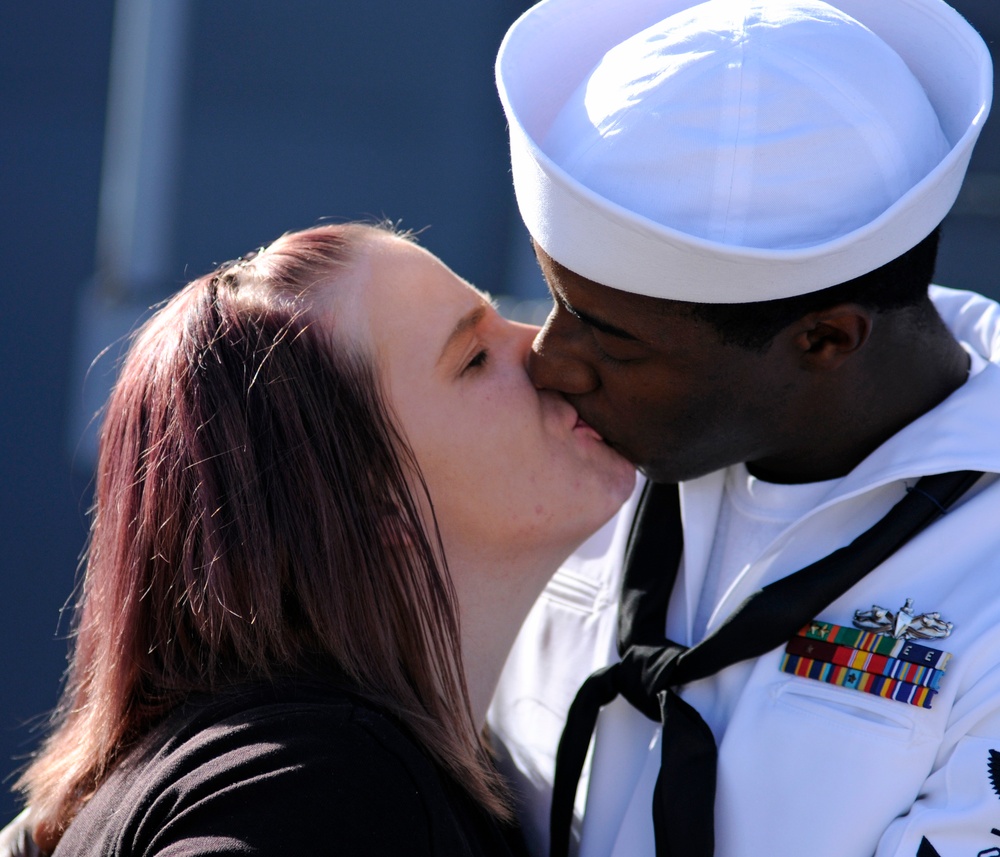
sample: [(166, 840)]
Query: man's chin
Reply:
[(671, 472), (659, 476), (668, 471)]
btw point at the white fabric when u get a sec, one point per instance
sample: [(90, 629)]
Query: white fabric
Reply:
[(723, 236), (804, 767), (761, 119), (752, 515)]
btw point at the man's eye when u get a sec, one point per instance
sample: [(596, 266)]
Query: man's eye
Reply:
[(477, 361), (604, 357), (603, 353)]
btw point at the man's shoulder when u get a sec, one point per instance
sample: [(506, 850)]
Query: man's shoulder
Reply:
[(971, 317)]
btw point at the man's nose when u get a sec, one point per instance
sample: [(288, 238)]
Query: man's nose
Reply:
[(556, 364)]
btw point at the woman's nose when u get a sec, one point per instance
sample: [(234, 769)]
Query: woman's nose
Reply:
[(523, 335), (554, 363)]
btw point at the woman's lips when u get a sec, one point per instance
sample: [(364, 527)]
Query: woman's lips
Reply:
[(584, 426)]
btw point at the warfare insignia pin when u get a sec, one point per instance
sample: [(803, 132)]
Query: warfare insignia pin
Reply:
[(903, 625)]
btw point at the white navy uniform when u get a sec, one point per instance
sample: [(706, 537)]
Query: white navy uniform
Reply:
[(805, 767)]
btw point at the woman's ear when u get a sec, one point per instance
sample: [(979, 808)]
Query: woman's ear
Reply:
[(827, 339)]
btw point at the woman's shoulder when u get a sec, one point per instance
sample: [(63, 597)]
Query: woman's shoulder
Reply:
[(277, 769), (313, 719)]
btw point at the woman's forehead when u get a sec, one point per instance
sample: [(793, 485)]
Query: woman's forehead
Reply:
[(411, 301)]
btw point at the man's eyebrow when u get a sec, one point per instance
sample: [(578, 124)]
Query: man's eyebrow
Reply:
[(599, 324), (461, 329)]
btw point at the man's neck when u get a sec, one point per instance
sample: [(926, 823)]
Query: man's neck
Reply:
[(896, 386)]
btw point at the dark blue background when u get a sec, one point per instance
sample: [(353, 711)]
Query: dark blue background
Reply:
[(291, 111)]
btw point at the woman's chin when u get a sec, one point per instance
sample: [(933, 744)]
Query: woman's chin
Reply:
[(613, 487), (621, 487), (616, 473)]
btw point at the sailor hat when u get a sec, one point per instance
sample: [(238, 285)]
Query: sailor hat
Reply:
[(738, 150)]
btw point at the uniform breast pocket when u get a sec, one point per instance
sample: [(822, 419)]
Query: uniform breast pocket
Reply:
[(841, 710), (818, 764)]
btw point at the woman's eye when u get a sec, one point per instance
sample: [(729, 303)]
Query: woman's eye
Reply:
[(477, 361)]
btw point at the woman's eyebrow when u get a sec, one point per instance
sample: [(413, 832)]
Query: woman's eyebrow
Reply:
[(464, 325)]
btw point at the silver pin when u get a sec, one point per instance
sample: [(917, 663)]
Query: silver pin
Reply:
[(903, 625)]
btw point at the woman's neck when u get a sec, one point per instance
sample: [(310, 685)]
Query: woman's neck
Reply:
[(494, 597)]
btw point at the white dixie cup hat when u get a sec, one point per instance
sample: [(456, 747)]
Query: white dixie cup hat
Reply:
[(738, 150)]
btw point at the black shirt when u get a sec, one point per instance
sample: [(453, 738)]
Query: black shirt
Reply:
[(290, 770)]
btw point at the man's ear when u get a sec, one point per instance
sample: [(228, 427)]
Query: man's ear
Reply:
[(826, 339)]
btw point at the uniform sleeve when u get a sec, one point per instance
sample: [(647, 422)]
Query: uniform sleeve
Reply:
[(15, 839), (958, 809), (290, 787)]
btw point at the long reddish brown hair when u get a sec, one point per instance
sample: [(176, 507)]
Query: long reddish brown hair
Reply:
[(254, 518)]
